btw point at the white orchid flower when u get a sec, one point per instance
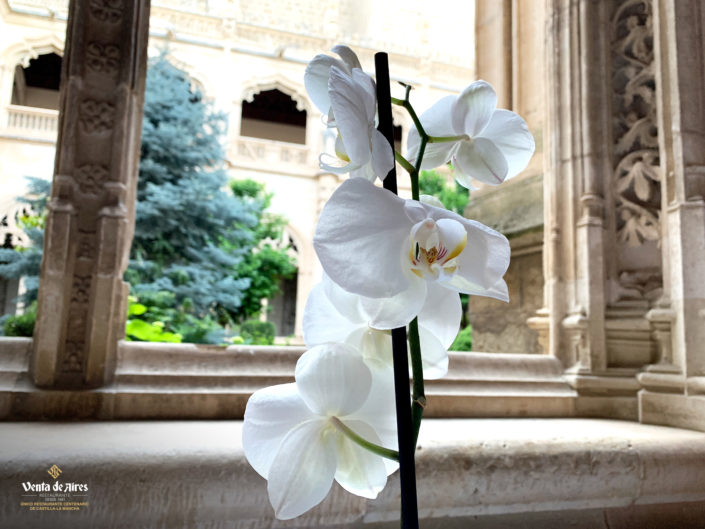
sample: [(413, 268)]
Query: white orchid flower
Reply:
[(497, 143), (293, 433), (375, 244), (361, 149), (318, 73), (334, 315)]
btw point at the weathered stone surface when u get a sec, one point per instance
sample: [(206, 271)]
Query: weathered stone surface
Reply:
[(172, 381), (521, 473)]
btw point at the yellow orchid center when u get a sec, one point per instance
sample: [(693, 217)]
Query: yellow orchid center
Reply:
[(434, 248)]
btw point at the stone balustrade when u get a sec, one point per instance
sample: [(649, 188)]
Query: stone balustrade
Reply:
[(257, 153), (31, 123)]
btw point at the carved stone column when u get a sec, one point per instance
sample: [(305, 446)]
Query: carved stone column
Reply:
[(602, 198), (82, 297), (674, 388)]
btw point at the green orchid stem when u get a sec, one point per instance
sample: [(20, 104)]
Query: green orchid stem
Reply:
[(445, 139), (406, 164), (364, 443), (418, 396)]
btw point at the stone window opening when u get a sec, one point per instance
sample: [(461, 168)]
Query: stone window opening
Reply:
[(37, 85), (273, 115)]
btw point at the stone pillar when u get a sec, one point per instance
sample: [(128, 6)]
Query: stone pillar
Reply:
[(493, 50), (674, 387), (82, 297), (602, 198)]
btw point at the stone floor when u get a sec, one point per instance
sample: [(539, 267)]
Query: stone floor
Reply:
[(477, 473)]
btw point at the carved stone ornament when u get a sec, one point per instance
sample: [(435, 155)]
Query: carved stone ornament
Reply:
[(107, 10), (103, 58), (637, 174), (96, 116)]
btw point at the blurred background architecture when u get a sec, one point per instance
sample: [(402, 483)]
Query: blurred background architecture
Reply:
[(589, 380)]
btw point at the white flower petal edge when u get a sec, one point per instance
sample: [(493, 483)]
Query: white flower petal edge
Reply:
[(270, 414), (332, 380), (498, 146), (360, 471), (367, 238), (291, 438), (354, 101), (303, 470), (318, 72), (439, 321)]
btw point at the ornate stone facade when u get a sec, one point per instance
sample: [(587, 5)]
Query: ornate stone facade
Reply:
[(234, 51)]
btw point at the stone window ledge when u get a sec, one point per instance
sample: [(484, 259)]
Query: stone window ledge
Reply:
[(187, 381), (487, 473)]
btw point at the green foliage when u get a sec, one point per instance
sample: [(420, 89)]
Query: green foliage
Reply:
[(463, 342), (22, 324), (267, 264), (453, 196), (202, 257), (190, 234), (156, 317), (256, 332)]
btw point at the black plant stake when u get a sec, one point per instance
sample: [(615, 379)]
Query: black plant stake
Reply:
[(406, 436)]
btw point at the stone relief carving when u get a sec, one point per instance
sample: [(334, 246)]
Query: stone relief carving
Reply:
[(96, 116), (107, 10), (90, 178), (637, 174), (103, 58), (86, 245)]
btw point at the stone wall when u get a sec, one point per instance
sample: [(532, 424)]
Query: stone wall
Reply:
[(515, 209)]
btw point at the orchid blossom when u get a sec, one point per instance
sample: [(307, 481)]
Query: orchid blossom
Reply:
[(318, 73), (375, 244), (354, 105), (300, 436), (492, 144), (334, 315)]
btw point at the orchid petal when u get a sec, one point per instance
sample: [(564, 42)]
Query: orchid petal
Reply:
[(349, 57), (431, 201), (379, 411), (332, 379), (359, 470), (510, 134), (344, 302), (436, 121), (360, 239), (473, 108), (349, 110), (322, 321), (453, 235), (486, 257), (270, 413), (303, 470), (364, 171), (434, 356), (460, 284), (398, 310), (316, 80), (382, 155), (483, 262), (374, 345), (482, 160), (336, 165), (441, 314), (368, 93)]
